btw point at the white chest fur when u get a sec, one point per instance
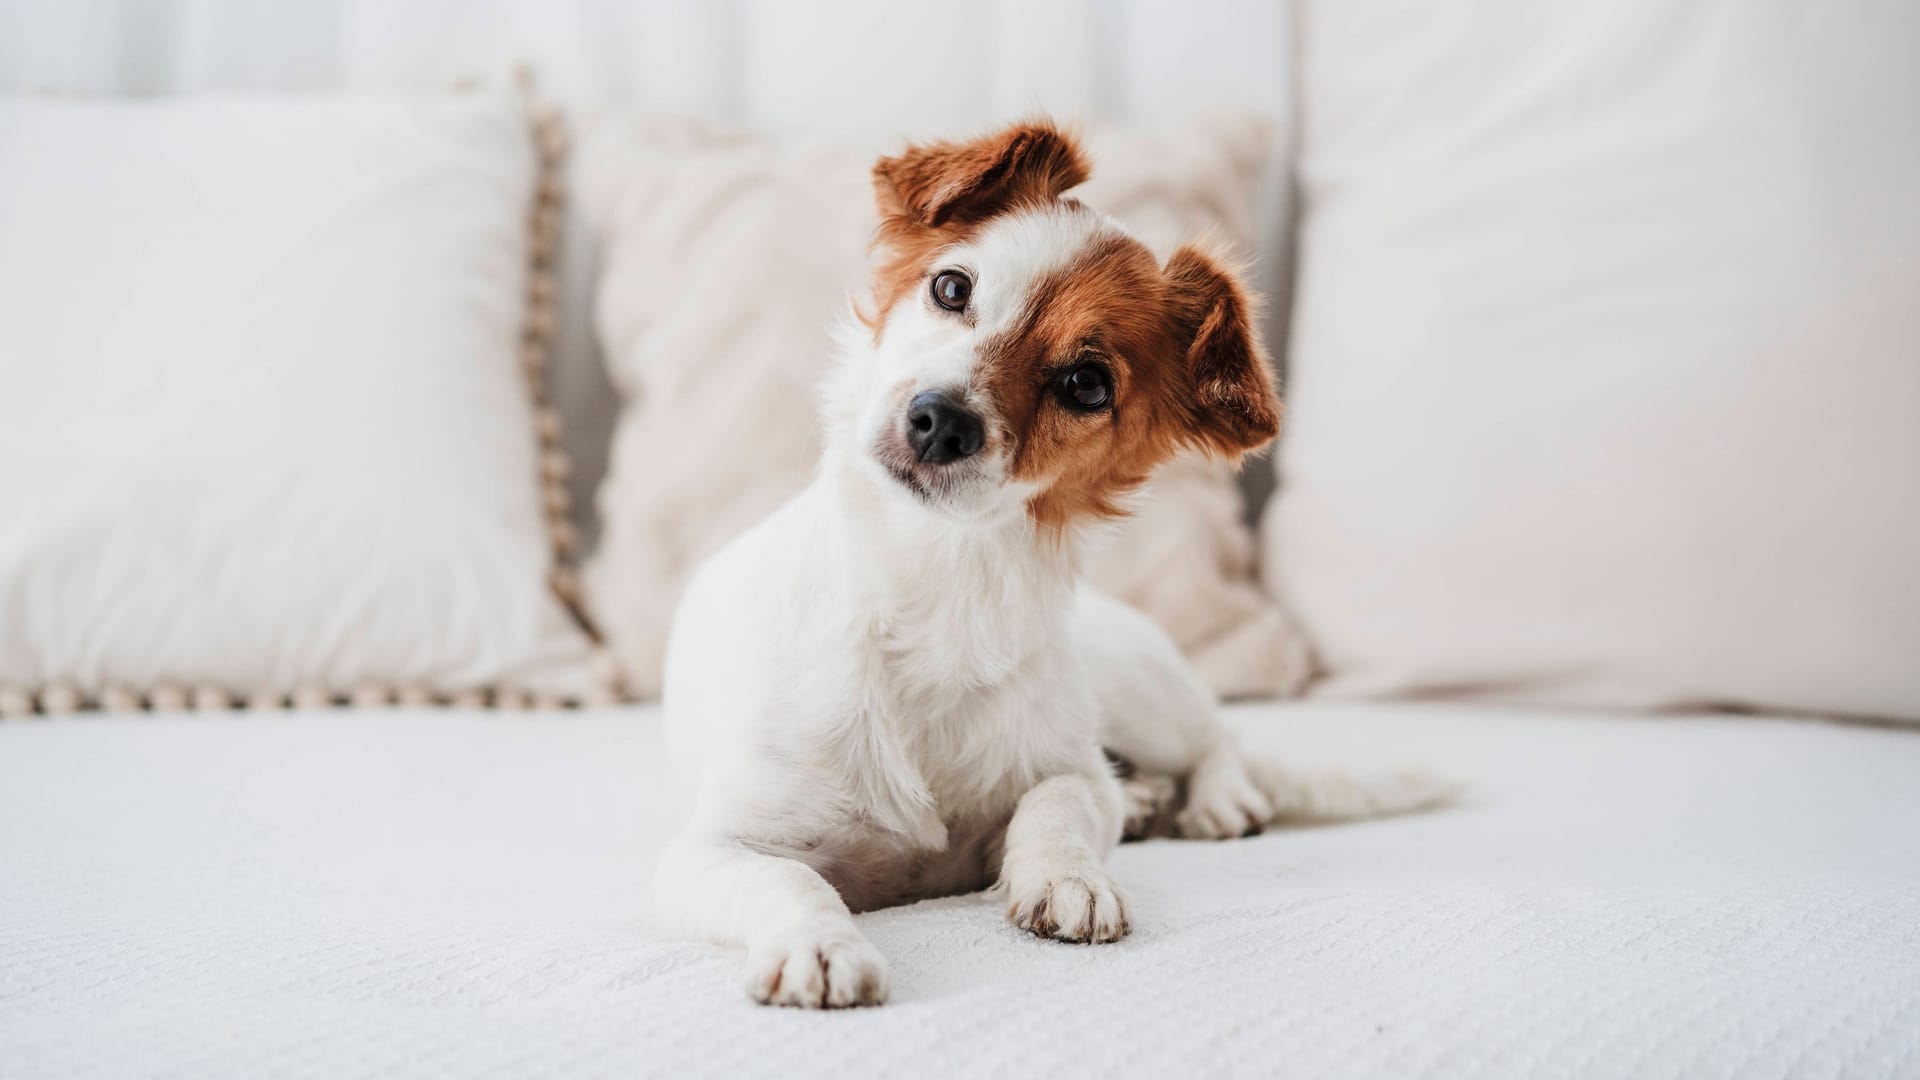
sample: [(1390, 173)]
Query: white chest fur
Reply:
[(872, 694)]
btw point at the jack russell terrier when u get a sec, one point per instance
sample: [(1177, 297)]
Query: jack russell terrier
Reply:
[(894, 688)]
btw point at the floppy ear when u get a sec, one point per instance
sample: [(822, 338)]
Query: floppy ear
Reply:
[(939, 182), (1235, 408)]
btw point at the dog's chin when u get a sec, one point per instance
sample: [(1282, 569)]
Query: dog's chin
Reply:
[(949, 488), (931, 486), (909, 478)]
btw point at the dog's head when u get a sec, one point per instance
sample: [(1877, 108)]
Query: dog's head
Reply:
[(1027, 352)]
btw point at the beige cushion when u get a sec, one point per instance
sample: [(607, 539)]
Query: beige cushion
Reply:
[(266, 431), (725, 261), (1605, 378)]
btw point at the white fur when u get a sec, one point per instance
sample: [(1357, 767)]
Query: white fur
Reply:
[(883, 696)]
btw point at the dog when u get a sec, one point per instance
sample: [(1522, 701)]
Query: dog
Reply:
[(895, 687)]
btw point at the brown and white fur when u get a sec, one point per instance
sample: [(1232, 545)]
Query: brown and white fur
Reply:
[(894, 687)]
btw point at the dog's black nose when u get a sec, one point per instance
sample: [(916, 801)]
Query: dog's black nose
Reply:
[(940, 429)]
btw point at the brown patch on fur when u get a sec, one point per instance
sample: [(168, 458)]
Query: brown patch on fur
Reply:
[(937, 194), (1109, 305), (1187, 372), (1235, 408), (1187, 367), (1025, 165)]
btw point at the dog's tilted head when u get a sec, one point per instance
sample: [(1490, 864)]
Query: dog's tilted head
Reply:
[(1027, 352)]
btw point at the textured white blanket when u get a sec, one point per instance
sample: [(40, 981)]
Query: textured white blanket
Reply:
[(441, 894)]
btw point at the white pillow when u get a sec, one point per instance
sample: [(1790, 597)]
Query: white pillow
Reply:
[(1605, 375), (726, 259), (265, 430)]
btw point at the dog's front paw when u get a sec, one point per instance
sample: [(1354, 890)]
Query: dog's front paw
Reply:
[(1222, 801), (1081, 905), (1146, 802), (817, 971)]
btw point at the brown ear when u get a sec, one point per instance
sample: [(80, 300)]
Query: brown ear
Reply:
[(1235, 408), (967, 181)]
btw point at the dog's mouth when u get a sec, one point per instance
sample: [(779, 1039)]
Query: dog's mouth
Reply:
[(930, 484), (909, 481)]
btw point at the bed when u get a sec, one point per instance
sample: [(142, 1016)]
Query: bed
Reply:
[(462, 894)]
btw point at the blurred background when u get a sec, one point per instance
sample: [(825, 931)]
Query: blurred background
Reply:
[(864, 68), (1568, 276), (848, 64)]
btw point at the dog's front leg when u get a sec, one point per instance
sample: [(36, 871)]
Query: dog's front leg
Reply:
[(802, 947), (1054, 872)]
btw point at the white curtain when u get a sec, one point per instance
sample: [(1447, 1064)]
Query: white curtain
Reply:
[(774, 64)]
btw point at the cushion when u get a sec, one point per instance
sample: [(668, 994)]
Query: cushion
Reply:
[(266, 430), (1606, 356), (726, 260)]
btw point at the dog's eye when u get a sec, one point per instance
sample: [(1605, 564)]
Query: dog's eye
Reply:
[(952, 289), (1087, 387)]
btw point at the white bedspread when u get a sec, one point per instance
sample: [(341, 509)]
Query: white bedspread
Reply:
[(405, 894)]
